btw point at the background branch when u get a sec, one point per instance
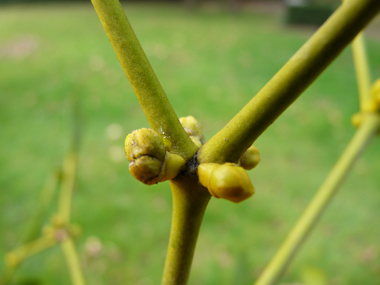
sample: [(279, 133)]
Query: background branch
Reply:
[(310, 217)]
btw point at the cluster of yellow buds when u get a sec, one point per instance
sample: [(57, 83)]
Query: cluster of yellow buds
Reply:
[(150, 163), (373, 105)]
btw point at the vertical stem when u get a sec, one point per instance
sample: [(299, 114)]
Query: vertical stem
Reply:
[(190, 200), (72, 261), (320, 201), (362, 70), (142, 77)]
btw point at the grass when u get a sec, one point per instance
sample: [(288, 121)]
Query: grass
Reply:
[(210, 63)]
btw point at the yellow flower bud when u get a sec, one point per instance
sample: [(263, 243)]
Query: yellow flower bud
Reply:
[(150, 163), (193, 129), (250, 158), (144, 142), (146, 169), (191, 126), (227, 181), (172, 166)]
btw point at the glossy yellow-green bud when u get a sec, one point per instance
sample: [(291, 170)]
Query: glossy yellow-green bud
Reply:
[(144, 142), (250, 158), (193, 129), (227, 181), (146, 169), (191, 126), (150, 163), (172, 166)]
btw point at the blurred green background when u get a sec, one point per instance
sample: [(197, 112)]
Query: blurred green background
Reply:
[(210, 62)]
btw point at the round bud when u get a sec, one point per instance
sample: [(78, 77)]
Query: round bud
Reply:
[(191, 126), (250, 158), (227, 181), (144, 142), (146, 169), (172, 166)]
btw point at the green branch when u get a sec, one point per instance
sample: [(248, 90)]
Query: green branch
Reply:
[(320, 201), (190, 200), (292, 79), (148, 89)]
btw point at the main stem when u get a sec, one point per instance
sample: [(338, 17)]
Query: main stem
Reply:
[(292, 79), (190, 200), (320, 201), (143, 79)]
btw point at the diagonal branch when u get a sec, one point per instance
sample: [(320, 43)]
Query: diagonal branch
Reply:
[(148, 89), (314, 211), (292, 79)]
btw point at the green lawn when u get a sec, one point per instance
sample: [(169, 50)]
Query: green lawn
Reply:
[(210, 64)]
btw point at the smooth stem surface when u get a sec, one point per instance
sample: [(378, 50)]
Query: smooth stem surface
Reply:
[(67, 188), (148, 89), (190, 200), (292, 79), (320, 201), (362, 70), (72, 261)]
